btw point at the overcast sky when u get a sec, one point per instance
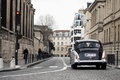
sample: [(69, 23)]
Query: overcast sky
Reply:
[(63, 11)]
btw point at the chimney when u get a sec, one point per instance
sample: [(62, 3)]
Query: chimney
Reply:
[(88, 4)]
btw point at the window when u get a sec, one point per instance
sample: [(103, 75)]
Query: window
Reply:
[(57, 48), (109, 34), (61, 43), (77, 23), (57, 34), (58, 38), (62, 48), (77, 38), (78, 16), (60, 34), (88, 44), (81, 23), (71, 39), (66, 49), (3, 13), (115, 33), (63, 34), (119, 33), (11, 14), (77, 31), (71, 32), (58, 43), (61, 38)]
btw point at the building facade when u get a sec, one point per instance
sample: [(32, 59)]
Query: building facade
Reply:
[(112, 26), (87, 22), (96, 29), (8, 27), (77, 30), (38, 40), (61, 40), (105, 24), (45, 37)]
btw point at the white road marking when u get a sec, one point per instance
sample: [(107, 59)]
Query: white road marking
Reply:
[(68, 65), (29, 74), (37, 67), (53, 67)]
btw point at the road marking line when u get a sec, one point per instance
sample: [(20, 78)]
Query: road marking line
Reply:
[(29, 74), (68, 65), (52, 66), (37, 67)]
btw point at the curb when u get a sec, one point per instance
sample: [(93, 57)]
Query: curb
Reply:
[(9, 69), (23, 67), (117, 67), (34, 63)]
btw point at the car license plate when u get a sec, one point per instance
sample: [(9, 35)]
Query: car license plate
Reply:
[(90, 55)]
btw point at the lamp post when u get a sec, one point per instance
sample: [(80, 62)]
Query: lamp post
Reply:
[(17, 29)]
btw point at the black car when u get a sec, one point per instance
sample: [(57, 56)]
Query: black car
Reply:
[(88, 52)]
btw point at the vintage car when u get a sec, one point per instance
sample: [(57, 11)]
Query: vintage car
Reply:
[(88, 52)]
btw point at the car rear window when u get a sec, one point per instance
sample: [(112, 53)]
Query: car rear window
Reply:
[(88, 45)]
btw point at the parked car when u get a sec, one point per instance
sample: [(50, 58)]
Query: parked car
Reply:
[(88, 52)]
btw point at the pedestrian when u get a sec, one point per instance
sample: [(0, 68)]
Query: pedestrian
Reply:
[(39, 54), (25, 52)]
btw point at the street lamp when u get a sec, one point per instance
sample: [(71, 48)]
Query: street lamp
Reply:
[(17, 29)]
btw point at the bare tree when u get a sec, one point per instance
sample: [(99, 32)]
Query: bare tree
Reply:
[(47, 20)]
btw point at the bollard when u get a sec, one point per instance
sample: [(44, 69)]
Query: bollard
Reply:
[(1, 63), (12, 63)]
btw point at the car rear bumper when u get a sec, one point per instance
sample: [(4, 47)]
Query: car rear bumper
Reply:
[(90, 62)]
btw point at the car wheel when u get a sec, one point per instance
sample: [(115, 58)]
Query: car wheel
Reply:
[(73, 66), (98, 66), (103, 66)]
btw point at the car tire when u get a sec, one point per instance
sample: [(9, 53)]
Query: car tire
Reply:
[(103, 66), (73, 66), (98, 66)]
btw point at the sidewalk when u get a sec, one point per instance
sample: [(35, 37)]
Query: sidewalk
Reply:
[(21, 65), (114, 65)]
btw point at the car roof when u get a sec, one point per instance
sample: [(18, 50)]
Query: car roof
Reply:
[(84, 40)]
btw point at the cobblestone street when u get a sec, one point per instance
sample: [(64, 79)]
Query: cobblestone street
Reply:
[(59, 69)]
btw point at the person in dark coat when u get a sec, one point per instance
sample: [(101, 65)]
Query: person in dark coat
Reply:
[(25, 52), (39, 54)]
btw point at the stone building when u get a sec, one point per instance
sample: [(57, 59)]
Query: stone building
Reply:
[(77, 29), (87, 22), (105, 24), (38, 40), (62, 42), (46, 36), (112, 26), (97, 16), (8, 27)]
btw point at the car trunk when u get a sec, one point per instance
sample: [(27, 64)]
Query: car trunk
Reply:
[(89, 54)]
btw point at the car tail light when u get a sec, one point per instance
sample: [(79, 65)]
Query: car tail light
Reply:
[(77, 57), (104, 55)]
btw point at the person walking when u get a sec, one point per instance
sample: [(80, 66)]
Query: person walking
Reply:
[(25, 52), (39, 54)]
